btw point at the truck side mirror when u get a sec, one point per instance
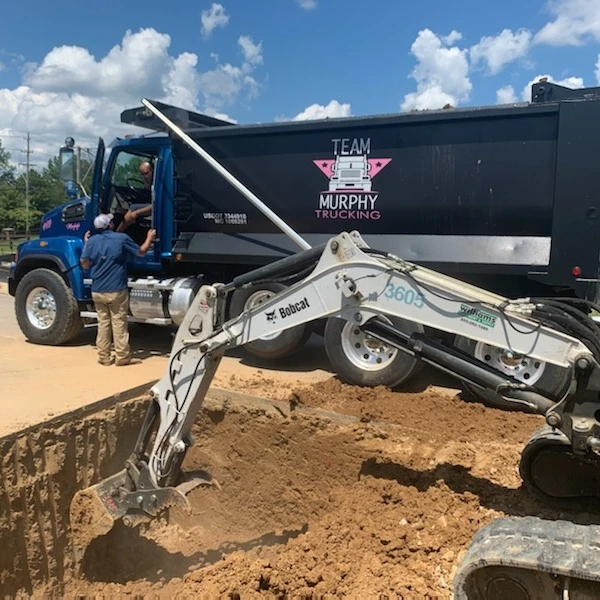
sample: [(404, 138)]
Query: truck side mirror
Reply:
[(67, 164)]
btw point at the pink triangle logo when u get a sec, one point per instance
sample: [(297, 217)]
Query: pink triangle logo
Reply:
[(325, 166), (376, 165)]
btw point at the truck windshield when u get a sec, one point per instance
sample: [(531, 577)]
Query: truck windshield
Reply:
[(126, 171)]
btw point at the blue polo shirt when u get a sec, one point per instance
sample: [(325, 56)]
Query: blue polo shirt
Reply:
[(109, 252)]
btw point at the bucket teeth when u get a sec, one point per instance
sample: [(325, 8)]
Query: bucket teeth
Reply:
[(95, 509), (91, 516)]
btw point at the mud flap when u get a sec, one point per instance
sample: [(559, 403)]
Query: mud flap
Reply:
[(94, 510)]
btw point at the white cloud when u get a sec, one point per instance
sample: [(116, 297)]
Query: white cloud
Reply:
[(453, 36), (212, 18), (575, 22), (307, 4), (252, 52), (219, 115), (139, 63), (570, 82), (332, 110), (506, 95), (597, 72), (499, 50), (71, 92), (441, 73)]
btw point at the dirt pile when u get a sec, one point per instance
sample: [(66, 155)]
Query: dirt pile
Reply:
[(382, 501)]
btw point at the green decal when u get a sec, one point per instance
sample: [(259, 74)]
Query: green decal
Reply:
[(477, 315)]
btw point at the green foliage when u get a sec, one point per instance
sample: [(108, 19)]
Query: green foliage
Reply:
[(46, 191), (126, 168)]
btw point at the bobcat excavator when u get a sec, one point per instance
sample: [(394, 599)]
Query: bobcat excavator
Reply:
[(344, 278), (348, 280)]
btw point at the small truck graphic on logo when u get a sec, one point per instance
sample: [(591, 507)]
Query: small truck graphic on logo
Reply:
[(350, 173)]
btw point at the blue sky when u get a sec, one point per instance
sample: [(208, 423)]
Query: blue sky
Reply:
[(69, 68)]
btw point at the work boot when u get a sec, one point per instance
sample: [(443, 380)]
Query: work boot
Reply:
[(106, 362), (128, 361)]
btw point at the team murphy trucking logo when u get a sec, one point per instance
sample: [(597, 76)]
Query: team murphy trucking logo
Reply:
[(350, 173)]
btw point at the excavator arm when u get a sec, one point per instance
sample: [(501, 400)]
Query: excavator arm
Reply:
[(346, 279)]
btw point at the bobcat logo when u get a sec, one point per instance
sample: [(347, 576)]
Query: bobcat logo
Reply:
[(270, 316)]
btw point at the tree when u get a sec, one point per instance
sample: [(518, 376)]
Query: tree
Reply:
[(7, 171), (46, 191), (10, 198)]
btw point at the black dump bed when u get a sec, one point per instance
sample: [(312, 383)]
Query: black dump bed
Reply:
[(503, 191)]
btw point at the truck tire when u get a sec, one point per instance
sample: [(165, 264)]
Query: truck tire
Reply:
[(46, 309), (273, 346), (359, 359), (548, 378)]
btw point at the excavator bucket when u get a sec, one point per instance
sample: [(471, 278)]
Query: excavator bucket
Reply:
[(95, 509)]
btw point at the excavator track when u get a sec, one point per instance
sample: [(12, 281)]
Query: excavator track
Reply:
[(526, 558), (557, 476)]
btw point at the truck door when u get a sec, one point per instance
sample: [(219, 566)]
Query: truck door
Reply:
[(129, 191), (97, 180)]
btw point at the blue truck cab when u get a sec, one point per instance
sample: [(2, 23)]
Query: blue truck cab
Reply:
[(53, 292)]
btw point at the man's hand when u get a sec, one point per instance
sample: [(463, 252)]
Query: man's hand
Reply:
[(87, 235), (150, 237)]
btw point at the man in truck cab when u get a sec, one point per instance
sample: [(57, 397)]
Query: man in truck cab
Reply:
[(106, 255), (131, 216)]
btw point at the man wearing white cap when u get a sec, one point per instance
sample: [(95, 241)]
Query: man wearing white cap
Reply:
[(106, 254)]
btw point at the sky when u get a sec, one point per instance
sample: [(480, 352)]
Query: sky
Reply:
[(70, 68)]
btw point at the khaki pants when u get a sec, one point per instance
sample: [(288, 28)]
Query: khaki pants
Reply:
[(112, 309)]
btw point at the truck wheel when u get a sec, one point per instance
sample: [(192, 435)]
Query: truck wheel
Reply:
[(46, 309), (272, 346), (546, 377), (360, 359)]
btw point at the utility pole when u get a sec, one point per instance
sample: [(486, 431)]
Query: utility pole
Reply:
[(27, 188), (27, 152)]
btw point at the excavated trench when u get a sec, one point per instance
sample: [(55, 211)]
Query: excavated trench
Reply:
[(381, 500)]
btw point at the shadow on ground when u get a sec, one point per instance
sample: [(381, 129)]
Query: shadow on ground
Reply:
[(149, 340)]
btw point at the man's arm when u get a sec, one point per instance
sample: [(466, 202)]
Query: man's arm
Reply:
[(132, 248), (131, 216), (150, 237), (85, 260)]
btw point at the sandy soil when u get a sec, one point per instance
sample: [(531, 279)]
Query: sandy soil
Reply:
[(382, 500), (41, 382)]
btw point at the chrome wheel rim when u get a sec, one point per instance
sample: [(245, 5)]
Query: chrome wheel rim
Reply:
[(364, 351), (520, 367), (256, 299), (40, 307)]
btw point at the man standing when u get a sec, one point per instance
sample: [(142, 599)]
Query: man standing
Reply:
[(107, 254)]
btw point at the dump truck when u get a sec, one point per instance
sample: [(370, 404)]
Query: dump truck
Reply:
[(504, 197)]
